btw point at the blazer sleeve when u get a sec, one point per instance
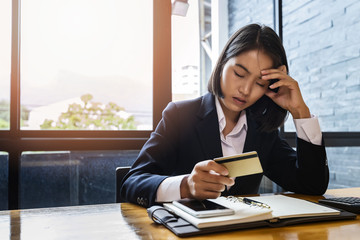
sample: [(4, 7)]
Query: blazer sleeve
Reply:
[(155, 161), (302, 171)]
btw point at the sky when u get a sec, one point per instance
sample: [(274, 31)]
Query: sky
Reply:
[(68, 47), (5, 47), (185, 37), (64, 42)]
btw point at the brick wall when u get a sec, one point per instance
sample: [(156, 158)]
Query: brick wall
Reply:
[(243, 12), (322, 41)]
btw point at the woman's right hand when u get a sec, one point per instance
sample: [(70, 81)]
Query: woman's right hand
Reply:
[(207, 180)]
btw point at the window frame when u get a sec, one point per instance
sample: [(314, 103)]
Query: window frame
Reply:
[(15, 141)]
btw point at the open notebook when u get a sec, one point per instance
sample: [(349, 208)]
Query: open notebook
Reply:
[(281, 207)]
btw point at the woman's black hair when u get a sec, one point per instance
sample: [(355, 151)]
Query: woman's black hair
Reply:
[(268, 115)]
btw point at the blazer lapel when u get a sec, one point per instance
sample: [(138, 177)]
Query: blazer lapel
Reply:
[(208, 128)]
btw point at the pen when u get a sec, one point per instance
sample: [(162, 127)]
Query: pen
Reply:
[(253, 202)]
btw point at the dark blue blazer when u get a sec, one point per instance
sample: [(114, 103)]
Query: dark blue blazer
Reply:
[(189, 133)]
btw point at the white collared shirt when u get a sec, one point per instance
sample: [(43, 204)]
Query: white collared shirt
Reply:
[(234, 142), (307, 129)]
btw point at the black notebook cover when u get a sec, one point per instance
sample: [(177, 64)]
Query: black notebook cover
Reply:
[(182, 228)]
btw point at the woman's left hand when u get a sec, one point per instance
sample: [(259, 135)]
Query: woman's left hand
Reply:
[(289, 96)]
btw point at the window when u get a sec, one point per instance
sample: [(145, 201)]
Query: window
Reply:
[(5, 59), (80, 66), (186, 54), (27, 149), (84, 67)]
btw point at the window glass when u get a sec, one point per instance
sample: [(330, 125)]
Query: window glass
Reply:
[(322, 44), (86, 64), (205, 42), (185, 54), (4, 180), (51, 179), (5, 60), (344, 165)]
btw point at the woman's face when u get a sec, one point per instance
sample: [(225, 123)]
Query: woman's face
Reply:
[(241, 82)]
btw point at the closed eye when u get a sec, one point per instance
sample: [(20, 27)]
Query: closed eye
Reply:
[(260, 84), (238, 75)]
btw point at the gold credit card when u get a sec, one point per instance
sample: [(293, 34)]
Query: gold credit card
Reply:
[(241, 164)]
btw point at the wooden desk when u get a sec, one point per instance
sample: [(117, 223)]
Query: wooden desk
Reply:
[(128, 221)]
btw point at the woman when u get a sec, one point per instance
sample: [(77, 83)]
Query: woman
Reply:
[(242, 112)]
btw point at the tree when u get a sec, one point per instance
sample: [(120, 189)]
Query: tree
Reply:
[(92, 116), (5, 115)]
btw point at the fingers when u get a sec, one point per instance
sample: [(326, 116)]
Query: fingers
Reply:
[(289, 95), (281, 74), (209, 165), (211, 172), (204, 190), (282, 68), (208, 179), (273, 74)]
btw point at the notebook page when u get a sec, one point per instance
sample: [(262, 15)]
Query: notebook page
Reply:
[(288, 207)]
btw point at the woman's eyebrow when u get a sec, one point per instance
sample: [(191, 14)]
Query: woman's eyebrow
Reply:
[(243, 67), (239, 65)]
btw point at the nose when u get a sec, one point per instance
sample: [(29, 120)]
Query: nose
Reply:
[(246, 88)]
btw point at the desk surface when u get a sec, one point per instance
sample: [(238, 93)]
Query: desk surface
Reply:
[(128, 221)]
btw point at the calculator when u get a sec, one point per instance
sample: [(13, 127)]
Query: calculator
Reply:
[(350, 204)]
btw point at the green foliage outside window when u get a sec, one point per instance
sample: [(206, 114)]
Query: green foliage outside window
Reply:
[(5, 115), (91, 116)]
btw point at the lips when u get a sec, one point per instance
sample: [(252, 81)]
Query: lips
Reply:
[(239, 100)]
